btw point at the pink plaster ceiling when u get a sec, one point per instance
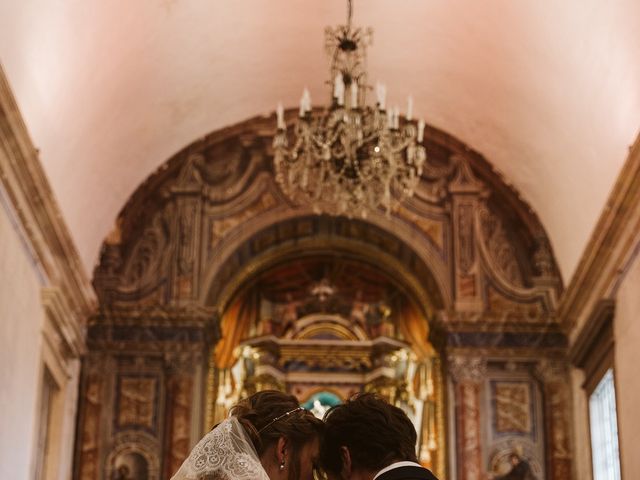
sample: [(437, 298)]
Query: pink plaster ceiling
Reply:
[(547, 91)]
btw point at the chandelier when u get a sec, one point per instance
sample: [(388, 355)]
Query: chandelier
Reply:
[(349, 158)]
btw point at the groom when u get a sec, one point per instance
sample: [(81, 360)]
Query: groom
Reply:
[(366, 438)]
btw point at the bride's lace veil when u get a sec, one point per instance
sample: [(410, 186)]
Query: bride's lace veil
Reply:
[(225, 453)]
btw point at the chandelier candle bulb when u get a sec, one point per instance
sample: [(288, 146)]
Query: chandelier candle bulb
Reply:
[(396, 117), (420, 131), (305, 102), (354, 95), (338, 89), (280, 117), (410, 108)]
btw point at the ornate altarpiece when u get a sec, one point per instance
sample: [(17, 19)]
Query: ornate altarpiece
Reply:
[(330, 325), (466, 251)]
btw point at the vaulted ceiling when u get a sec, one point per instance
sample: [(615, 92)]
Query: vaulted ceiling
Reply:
[(546, 91)]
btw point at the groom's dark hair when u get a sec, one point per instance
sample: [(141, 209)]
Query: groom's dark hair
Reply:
[(376, 433)]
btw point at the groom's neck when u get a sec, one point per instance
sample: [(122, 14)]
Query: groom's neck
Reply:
[(369, 474), (363, 475)]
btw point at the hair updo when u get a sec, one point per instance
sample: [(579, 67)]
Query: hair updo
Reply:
[(257, 414)]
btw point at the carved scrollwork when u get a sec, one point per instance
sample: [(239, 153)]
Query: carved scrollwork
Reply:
[(145, 260), (435, 179), (500, 247), (220, 227), (110, 259), (438, 172), (434, 192), (542, 258)]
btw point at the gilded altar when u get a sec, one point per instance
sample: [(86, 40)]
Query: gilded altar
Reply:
[(323, 338)]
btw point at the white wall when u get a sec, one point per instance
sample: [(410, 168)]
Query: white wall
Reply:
[(627, 368), (21, 317)]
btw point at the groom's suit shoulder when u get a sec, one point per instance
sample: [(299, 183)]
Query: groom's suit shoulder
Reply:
[(408, 473)]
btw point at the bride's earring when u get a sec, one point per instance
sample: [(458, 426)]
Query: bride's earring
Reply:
[(282, 466)]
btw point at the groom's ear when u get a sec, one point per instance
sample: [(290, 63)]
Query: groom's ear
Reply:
[(346, 462)]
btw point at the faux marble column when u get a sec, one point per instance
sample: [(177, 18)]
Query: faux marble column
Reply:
[(557, 409), (468, 374), (179, 392)]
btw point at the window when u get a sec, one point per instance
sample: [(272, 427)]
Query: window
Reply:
[(604, 430)]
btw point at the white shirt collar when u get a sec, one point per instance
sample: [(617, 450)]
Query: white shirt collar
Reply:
[(397, 465)]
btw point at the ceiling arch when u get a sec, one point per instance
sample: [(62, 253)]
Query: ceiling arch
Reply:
[(109, 90), (330, 238)]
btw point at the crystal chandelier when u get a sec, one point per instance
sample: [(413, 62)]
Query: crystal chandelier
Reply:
[(349, 158)]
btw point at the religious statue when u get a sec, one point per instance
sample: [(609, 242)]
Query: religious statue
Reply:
[(319, 409), (286, 315), (519, 469), (378, 321), (359, 309), (122, 473), (243, 370)]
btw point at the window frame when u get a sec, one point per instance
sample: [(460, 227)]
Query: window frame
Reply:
[(593, 353)]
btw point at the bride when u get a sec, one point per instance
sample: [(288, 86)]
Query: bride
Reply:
[(267, 436)]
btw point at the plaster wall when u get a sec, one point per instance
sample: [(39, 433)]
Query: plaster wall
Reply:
[(627, 358), (21, 317)]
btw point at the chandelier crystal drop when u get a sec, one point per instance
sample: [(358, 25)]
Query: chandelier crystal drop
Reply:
[(349, 158)]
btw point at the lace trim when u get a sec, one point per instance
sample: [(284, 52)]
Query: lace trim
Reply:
[(227, 452)]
